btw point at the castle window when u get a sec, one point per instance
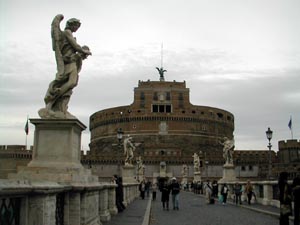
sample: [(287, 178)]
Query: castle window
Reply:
[(168, 96), (142, 97), (155, 96), (220, 115), (168, 108), (228, 118), (193, 111), (250, 167), (162, 108), (180, 97)]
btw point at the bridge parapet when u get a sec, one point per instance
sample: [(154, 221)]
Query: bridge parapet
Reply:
[(264, 192), (49, 203)]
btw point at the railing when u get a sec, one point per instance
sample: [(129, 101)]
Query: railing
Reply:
[(50, 203), (265, 192)]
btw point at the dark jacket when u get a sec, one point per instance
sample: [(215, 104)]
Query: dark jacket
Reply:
[(175, 188)]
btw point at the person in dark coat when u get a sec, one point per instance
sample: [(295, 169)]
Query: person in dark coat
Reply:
[(119, 193), (296, 198), (142, 188), (165, 194), (224, 193), (285, 198), (175, 189)]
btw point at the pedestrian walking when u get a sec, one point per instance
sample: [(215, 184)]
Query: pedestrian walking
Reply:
[(249, 191), (224, 193), (208, 192), (296, 198), (215, 189), (142, 188), (237, 193), (165, 193), (285, 198), (154, 189), (119, 193), (175, 189)]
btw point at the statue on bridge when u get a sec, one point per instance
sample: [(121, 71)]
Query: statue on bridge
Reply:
[(228, 148), (69, 55), (129, 149), (184, 171), (196, 162)]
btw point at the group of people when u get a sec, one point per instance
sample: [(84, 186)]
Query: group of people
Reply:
[(237, 191), (144, 188), (172, 188), (166, 189)]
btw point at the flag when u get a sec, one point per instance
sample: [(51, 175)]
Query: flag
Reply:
[(290, 124), (26, 128)]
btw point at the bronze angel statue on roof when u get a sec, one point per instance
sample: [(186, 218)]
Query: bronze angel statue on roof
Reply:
[(161, 72), (68, 55)]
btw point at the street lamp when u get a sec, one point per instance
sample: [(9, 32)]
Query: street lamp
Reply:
[(206, 165), (269, 134), (120, 135)]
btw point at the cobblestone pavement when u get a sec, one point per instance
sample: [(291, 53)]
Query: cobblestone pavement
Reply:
[(132, 215), (194, 211)]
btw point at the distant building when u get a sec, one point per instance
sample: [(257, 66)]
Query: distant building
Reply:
[(168, 130)]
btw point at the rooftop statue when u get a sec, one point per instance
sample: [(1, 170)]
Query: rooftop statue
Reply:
[(228, 148), (161, 72), (69, 55)]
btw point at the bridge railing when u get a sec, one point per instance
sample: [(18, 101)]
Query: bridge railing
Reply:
[(264, 192), (50, 203)]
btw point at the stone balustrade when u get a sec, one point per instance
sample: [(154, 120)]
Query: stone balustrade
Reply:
[(265, 192), (33, 203)]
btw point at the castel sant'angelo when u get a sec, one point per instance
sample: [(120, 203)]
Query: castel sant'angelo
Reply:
[(167, 127)]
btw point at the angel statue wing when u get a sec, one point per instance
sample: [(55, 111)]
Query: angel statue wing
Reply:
[(56, 35)]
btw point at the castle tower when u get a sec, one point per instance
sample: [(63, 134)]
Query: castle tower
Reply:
[(170, 128)]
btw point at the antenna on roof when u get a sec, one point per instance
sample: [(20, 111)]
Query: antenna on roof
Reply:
[(162, 55), (161, 70)]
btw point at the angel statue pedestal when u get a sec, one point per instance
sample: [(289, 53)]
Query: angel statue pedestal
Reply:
[(56, 153), (228, 173), (197, 176), (128, 173)]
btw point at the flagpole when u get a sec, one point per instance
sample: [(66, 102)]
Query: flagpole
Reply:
[(26, 135), (291, 127)]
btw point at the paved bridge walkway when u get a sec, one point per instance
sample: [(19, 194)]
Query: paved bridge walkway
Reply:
[(194, 211)]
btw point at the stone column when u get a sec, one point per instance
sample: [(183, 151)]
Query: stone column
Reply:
[(89, 208), (41, 210), (103, 205), (268, 193), (74, 208), (112, 200)]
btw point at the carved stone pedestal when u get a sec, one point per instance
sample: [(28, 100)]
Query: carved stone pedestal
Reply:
[(56, 153), (228, 173), (128, 174), (197, 176)]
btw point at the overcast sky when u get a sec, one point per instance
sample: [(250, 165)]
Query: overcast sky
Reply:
[(242, 56)]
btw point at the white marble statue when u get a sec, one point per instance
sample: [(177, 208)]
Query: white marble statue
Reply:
[(129, 149), (196, 162), (228, 148), (184, 170), (69, 55)]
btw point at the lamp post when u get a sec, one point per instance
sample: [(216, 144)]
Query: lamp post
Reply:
[(269, 134), (206, 165), (120, 135)]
